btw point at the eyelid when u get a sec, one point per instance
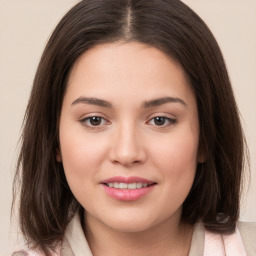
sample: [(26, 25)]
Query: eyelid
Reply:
[(91, 115), (171, 120)]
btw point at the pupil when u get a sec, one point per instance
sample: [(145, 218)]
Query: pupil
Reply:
[(95, 120), (159, 120)]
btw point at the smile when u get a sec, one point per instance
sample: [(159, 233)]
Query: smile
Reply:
[(128, 185), (127, 188)]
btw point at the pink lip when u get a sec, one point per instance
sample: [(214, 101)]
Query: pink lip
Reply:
[(131, 179), (127, 194)]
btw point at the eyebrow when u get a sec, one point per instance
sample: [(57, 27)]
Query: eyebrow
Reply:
[(92, 101), (147, 104), (161, 101)]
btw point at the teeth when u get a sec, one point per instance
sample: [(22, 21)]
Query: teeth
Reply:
[(127, 185), (138, 185), (132, 185), (123, 185)]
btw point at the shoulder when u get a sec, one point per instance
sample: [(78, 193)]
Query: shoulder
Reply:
[(27, 253), (33, 253), (20, 253), (248, 234)]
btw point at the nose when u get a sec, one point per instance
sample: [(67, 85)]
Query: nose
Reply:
[(127, 147)]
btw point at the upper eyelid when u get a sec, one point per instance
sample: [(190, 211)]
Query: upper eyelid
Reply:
[(84, 121), (88, 117), (172, 120), (148, 117), (92, 114), (166, 117), (161, 114)]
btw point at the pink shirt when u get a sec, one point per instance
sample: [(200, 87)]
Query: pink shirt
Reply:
[(204, 243)]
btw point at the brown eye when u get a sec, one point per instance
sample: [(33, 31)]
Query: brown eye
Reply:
[(94, 121), (159, 120), (162, 121)]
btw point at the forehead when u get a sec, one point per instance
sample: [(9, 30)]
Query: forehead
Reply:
[(130, 68)]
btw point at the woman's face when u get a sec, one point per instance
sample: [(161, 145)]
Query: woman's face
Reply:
[(129, 136)]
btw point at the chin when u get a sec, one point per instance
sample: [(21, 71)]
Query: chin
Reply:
[(130, 224), (130, 227)]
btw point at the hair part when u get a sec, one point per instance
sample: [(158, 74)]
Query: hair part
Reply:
[(46, 202)]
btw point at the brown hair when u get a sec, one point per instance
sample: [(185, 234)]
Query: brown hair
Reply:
[(46, 203)]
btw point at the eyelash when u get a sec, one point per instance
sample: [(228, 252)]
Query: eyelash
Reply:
[(88, 121), (170, 121)]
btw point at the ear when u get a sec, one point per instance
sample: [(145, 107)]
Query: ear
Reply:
[(58, 155)]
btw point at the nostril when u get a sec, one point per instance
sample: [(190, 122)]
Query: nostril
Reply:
[(126, 150), (127, 162)]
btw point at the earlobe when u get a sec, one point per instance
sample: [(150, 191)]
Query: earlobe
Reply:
[(58, 156)]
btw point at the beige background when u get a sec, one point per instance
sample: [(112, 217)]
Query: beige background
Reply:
[(25, 26)]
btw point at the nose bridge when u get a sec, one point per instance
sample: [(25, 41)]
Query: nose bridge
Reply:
[(128, 146)]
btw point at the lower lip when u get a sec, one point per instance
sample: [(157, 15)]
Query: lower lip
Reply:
[(127, 194)]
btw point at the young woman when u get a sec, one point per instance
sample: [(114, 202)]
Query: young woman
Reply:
[(132, 142)]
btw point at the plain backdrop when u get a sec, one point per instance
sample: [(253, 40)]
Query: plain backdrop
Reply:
[(25, 26)]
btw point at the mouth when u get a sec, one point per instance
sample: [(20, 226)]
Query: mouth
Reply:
[(134, 185), (127, 188)]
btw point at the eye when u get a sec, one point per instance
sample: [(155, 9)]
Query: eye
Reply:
[(94, 121), (162, 121)]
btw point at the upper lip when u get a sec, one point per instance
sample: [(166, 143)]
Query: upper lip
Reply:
[(131, 179)]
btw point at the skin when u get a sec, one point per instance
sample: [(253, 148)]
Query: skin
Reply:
[(128, 141)]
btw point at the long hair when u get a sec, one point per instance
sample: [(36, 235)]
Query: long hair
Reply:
[(46, 202)]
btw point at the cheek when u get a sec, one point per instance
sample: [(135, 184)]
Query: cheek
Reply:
[(176, 159), (82, 160), (81, 156), (177, 151)]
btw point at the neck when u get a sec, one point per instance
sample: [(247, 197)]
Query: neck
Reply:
[(168, 238)]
